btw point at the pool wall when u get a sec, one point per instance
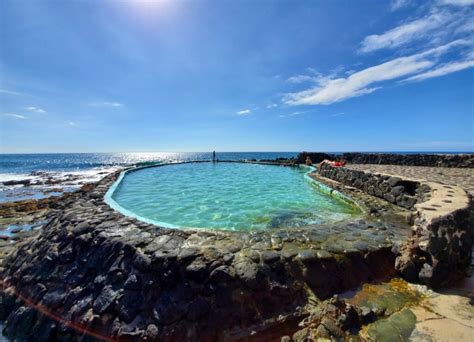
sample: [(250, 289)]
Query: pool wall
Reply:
[(440, 250)]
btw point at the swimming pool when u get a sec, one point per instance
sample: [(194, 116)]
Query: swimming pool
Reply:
[(224, 195)]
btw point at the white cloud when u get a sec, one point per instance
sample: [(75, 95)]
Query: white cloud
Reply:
[(106, 104), (405, 33), (4, 91), (244, 112), (36, 110), (272, 105), (456, 2), (397, 4), (292, 114), (15, 116), (366, 81), (442, 70), (300, 79)]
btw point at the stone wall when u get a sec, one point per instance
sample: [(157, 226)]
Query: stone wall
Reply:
[(95, 272), (441, 160), (440, 248), (404, 193)]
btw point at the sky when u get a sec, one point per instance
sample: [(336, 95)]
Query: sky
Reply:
[(236, 75)]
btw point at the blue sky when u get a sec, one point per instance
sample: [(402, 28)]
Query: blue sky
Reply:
[(90, 76)]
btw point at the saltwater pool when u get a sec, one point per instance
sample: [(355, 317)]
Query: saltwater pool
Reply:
[(231, 196)]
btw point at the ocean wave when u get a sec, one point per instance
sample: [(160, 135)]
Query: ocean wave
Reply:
[(41, 184)]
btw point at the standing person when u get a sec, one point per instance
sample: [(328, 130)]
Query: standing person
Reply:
[(214, 156)]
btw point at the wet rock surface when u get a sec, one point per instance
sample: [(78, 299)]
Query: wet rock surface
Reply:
[(114, 276), (390, 311)]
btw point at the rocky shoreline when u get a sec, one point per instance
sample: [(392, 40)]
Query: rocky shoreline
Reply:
[(110, 277)]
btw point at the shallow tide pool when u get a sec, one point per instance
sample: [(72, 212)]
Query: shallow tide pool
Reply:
[(232, 196)]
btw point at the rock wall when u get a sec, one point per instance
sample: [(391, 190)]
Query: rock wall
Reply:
[(440, 249), (97, 273), (404, 193), (443, 160)]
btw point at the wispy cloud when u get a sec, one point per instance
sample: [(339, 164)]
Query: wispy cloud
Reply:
[(15, 116), (397, 4), (298, 113), (244, 112), (106, 104), (36, 110), (405, 33), (72, 123), (272, 105), (442, 70), (300, 79), (456, 2), (4, 91), (338, 114), (366, 81)]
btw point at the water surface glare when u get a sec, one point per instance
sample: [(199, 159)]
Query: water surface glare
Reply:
[(232, 196)]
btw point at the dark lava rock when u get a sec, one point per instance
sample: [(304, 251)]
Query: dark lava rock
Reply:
[(131, 303), (270, 256), (397, 190), (249, 273), (188, 254), (307, 256), (54, 299), (406, 201), (142, 262), (164, 255), (197, 270), (168, 311), (17, 182), (222, 274), (133, 282), (81, 228), (197, 309), (437, 245), (106, 300), (393, 181), (20, 323)]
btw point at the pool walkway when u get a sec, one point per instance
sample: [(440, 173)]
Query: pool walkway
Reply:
[(462, 177)]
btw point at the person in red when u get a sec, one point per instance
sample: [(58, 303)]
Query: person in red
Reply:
[(335, 163), (338, 163)]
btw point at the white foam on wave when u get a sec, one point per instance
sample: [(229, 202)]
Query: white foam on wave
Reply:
[(5, 177), (69, 180)]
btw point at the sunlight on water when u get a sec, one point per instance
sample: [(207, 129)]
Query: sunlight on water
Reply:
[(228, 196)]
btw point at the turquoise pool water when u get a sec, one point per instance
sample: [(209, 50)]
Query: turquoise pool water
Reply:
[(232, 196)]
